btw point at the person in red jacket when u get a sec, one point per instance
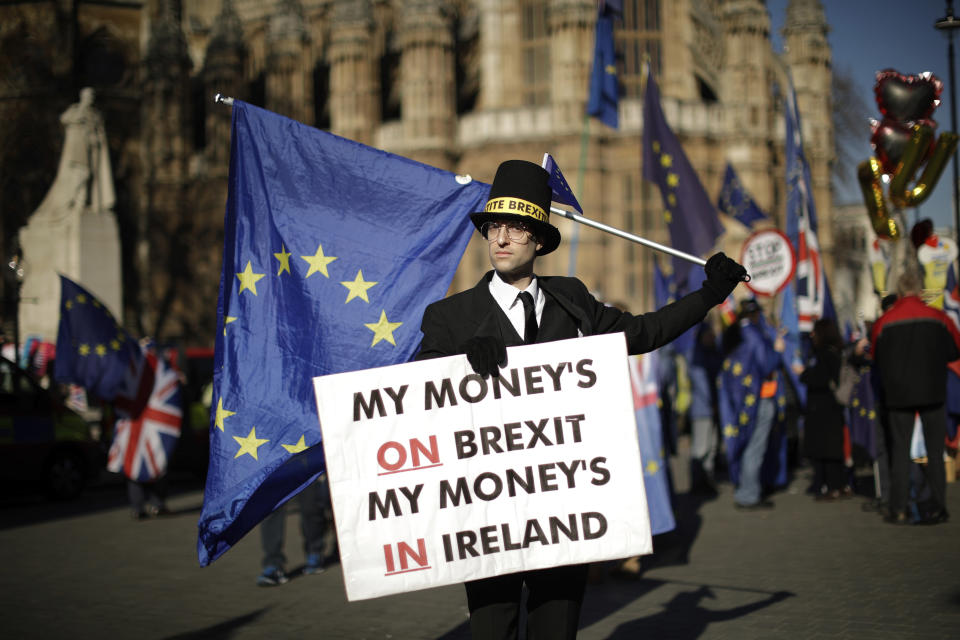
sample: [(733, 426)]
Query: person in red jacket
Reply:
[(912, 345)]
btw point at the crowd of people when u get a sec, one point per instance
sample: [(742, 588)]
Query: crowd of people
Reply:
[(875, 397)]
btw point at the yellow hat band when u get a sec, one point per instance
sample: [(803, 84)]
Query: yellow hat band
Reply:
[(515, 206)]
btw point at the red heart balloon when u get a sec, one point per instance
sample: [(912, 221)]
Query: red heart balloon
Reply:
[(889, 140), (906, 98)]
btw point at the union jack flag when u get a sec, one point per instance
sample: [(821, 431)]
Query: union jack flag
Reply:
[(811, 281), (147, 433), (646, 393)]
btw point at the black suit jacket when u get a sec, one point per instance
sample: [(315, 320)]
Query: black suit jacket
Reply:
[(449, 323)]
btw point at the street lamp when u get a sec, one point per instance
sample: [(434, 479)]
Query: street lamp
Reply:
[(947, 25)]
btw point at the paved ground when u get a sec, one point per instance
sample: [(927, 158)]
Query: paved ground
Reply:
[(802, 570)]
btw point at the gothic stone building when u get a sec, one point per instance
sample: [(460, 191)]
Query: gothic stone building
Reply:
[(458, 84)]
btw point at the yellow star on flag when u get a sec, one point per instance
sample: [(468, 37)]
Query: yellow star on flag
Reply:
[(730, 431), (284, 258), (358, 287), (744, 418), (652, 467), (737, 368), (296, 448), (221, 415), (96, 303), (249, 444), (115, 344), (655, 145), (101, 350), (84, 349), (673, 179), (69, 305), (383, 329), (248, 279), (668, 216), (747, 380), (666, 160), (612, 70), (749, 399), (227, 321), (672, 199), (81, 298), (318, 262)]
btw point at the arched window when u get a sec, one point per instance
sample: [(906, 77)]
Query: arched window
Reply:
[(535, 51), (637, 36)]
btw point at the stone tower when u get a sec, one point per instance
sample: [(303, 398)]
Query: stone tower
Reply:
[(289, 77), (222, 73), (745, 90), (426, 74), (354, 72), (807, 55), (163, 228)]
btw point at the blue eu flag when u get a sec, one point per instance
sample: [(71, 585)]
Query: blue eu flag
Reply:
[(332, 250), (562, 192), (693, 222), (93, 351), (736, 202), (604, 92)]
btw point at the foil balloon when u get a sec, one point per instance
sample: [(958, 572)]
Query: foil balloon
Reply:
[(907, 98), (917, 148), (869, 175), (890, 139)]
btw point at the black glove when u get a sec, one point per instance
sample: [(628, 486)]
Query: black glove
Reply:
[(723, 275), (485, 354)]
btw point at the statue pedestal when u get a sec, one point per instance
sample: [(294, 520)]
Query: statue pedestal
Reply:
[(83, 246)]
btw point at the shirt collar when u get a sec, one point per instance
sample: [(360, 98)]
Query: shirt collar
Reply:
[(506, 294)]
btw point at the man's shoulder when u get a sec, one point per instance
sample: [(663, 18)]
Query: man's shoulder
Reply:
[(563, 284), (465, 297)]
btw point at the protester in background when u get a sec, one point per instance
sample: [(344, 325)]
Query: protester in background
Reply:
[(513, 306), (703, 370), (748, 388), (823, 437), (912, 344), (312, 501)]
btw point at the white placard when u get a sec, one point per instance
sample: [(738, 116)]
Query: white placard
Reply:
[(438, 476), (768, 257)]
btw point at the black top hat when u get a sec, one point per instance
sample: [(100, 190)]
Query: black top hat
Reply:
[(520, 191), (748, 306)]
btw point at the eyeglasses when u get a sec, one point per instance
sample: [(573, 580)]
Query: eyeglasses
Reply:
[(516, 231)]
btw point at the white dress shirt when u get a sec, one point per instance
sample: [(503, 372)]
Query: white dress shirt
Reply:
[(508, 297)]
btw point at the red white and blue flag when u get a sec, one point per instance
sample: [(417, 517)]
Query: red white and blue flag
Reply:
[(148, 430), (811, 282)]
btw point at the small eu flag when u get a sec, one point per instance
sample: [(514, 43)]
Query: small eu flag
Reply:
[(93, 351), (562, 192), (604, 92), (736, 202), (332, 250)]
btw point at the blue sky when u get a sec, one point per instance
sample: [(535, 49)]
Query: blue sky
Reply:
[(869, 35)]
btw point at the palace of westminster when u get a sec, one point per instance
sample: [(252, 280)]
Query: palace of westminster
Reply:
[(457, 84)]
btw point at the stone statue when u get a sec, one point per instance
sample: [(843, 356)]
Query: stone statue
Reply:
[(84, 179), (74, 230)]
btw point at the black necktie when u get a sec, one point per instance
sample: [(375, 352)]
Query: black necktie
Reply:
[(529, 318)]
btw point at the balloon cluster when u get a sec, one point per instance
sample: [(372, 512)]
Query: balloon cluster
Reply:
[(903, 143)]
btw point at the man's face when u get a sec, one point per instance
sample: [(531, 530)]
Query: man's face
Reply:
[(508, 256)]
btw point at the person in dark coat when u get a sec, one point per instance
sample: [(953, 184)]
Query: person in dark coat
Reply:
[(513, 306), (823, 423)]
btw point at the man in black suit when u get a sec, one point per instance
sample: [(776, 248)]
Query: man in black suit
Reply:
[(512, 306)]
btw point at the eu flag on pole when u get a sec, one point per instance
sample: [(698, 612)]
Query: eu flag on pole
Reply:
[(562, 192), (604, 92), (813, 295), (332, 250), (736, 202), (93, 351), (693, 222)]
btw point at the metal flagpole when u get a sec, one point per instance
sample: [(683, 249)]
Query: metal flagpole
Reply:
[(628, 236), (227, 100)]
